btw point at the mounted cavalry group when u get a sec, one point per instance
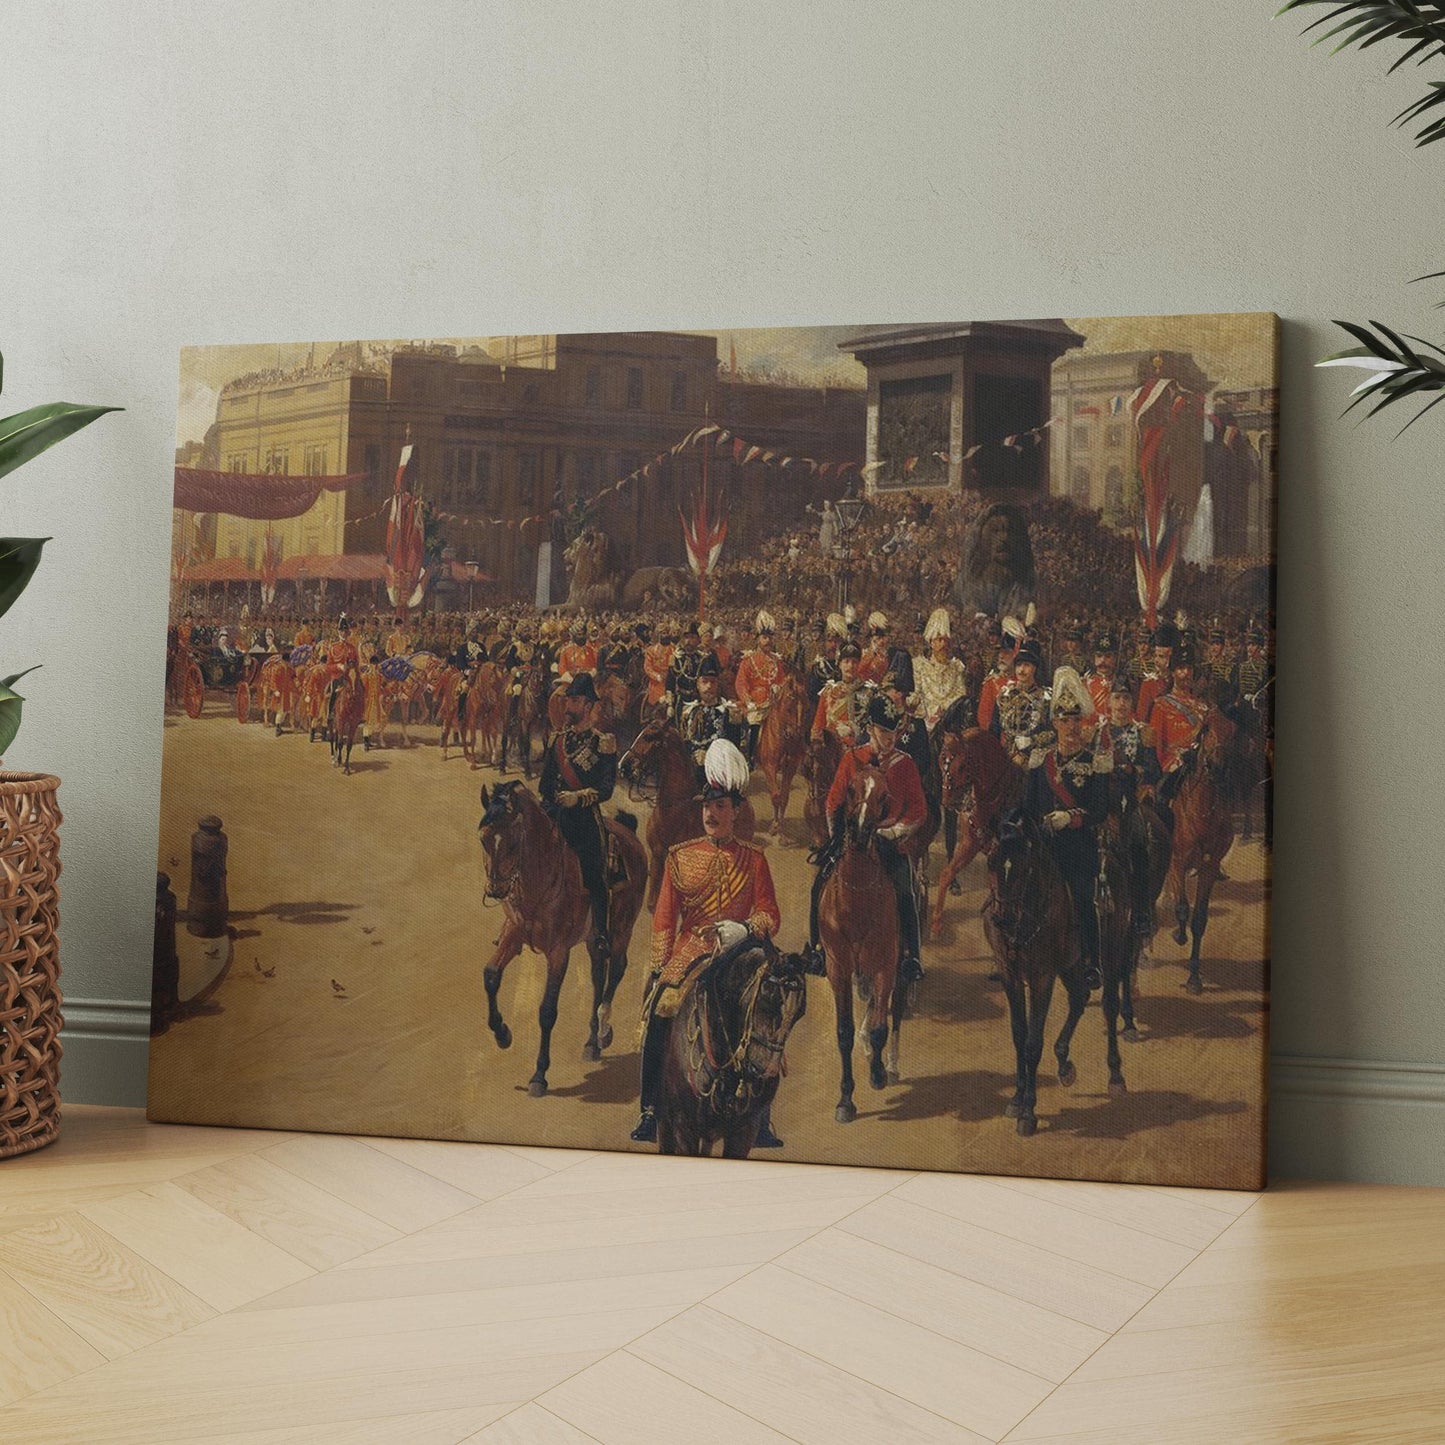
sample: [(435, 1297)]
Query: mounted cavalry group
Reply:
[(1091, 789)]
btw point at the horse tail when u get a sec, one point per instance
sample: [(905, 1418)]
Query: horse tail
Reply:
[(628, 820)]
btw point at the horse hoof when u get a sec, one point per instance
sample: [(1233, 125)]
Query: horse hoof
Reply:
[(1026, 1127), (1193, 985), (1013, 1110), (604, 1038), (877, 1076), (845, 1113), (1131, 1036), (537, 1089), (1067, 1073), (504, 1037), (1118, 1087), (591, 1053), (1179, 936)]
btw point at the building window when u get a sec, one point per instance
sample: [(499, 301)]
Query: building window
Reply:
[(679, 391), (235, 549), (594, 386), (1114, 495), (586, 474), (278, 461), (1082, 485), (1081, 438), (1114, 436), (527, 480), (238, 463), (481, 488), (251, 553), (373, 468), (313, 544), (634, 388), (315, 461)]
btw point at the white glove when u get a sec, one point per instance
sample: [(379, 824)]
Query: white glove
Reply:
[(667, 699), (893, 832), (1057, 821), (1023, 742), (567, 798), (730, 933)]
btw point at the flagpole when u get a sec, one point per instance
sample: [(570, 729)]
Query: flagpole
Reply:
[(706, 515)]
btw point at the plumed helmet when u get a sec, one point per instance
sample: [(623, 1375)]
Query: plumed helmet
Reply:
[(850, 649), (877, 624), (883, 712), (837, 624), (726, 771), (938, 625), (1070, 697), (1028, 651), (764, 625)]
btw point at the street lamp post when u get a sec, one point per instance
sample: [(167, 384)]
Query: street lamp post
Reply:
[(850, 508)]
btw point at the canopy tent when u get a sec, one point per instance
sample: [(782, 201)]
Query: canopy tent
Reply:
[(348, 567), (460, 571), (221, 569), (260, 496)]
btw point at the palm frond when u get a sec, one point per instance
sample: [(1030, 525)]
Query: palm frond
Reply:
[(1419, 24), (1398, 371)]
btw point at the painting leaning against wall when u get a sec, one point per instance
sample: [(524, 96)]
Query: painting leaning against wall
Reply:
[(841, 744)]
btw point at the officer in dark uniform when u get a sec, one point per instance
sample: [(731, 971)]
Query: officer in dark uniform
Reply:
[(1131, 745), (578, 776), (682, 672), (1066, 793), (709, 716)]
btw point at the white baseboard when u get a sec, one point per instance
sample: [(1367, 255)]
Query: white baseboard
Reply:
[(106, 1048), (1353, 1119), (1356, 1119)]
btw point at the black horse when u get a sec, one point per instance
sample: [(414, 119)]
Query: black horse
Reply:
[(724, 1057)]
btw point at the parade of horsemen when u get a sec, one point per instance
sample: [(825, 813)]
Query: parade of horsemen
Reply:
[(786, 804)]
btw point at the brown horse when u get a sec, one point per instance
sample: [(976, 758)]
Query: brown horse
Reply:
[(1136, 837), (858, 925), (442, 691), (724, 1058), (820, 767), (659, 751), (524, 714), (345, 708), (781, 741), (621, 705), (1203, 834), (483, 715), (1029, 922), (538, 880), (981, 784)]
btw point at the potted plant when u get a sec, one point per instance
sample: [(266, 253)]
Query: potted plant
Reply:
[(29, 845)]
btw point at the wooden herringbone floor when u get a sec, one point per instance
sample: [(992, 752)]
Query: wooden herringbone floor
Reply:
[(163, 1283)]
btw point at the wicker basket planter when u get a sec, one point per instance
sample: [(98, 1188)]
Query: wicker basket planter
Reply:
[(29, 962)]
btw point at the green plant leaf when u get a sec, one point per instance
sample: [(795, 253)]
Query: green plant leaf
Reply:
[(28, 433), (16, 676), (10, 703), (19, 557)]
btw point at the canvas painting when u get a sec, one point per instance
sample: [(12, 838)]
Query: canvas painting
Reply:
[(838, 744)]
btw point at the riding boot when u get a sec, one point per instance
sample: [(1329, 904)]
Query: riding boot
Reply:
[(812, 955), (654, 1046), (766, 1138)]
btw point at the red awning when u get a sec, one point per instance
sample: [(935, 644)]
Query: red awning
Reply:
[(221, 569), (349, 567), (263, 496)]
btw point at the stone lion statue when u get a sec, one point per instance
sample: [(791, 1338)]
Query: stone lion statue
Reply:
[(592, 562), (998, 577)]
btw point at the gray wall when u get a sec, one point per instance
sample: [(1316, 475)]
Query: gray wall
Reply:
[(181, 173)]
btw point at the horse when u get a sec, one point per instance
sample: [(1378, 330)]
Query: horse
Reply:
[(311, 701), (1029, 922), (1203, 834), (979, 781), (820, 767), (621, 705), (660, 750), (345, 708), (858, 925), (724, 1058), (781, 741), (482, 717), (526, 706), (1137, 836), (538, 881)]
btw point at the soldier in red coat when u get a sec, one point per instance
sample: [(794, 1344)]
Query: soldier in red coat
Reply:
[(717, 895), (1178, 718), (906, 812)]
